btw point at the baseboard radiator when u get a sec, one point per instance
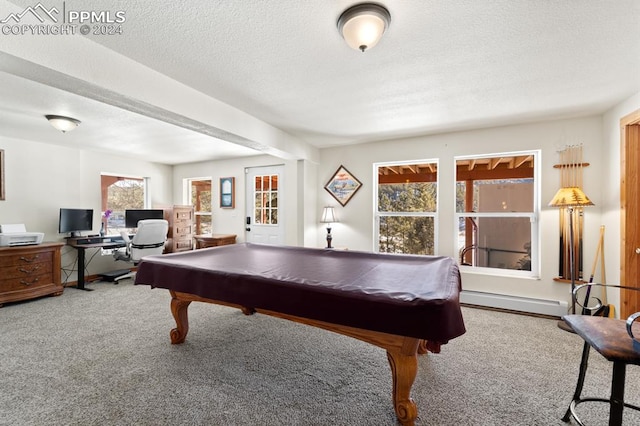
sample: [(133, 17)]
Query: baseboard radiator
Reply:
[(554, 308)]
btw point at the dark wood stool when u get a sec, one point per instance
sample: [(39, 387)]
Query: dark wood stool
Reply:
[(609, 337)]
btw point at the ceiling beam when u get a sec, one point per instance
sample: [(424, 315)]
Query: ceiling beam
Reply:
[(46, 60)]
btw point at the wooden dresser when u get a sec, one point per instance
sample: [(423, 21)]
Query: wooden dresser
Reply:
[(29, 271), (214, 240), (181, 228)]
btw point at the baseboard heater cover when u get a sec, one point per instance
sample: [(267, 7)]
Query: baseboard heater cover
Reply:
[(555, 308)]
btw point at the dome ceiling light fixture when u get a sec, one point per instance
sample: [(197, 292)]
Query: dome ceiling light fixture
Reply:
[(62, 123), (362, 25)]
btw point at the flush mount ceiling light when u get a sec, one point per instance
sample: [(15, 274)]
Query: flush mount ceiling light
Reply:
[(362, 25), (64, 124)]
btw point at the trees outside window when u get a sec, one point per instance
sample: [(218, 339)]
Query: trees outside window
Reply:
[(497, 209), (406, 207), (119, 194)]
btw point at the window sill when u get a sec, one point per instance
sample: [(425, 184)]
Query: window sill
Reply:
[(511, 273)]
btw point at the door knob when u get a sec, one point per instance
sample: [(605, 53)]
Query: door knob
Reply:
[(637, 250)]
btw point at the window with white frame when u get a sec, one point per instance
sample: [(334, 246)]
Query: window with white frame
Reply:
[(497, 209), (118, 194), (406, 207)]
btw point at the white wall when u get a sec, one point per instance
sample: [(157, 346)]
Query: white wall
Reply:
[(599, 136), (232, 221), (610, 187), (308, 212), (41, 178), (355, 229)]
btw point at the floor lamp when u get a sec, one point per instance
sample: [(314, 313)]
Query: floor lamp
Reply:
[(570, 198)]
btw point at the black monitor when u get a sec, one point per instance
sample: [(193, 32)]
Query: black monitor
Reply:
[(75, 220), (131, 217)]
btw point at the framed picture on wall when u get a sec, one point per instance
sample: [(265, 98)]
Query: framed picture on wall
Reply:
[(1, 174), (343, 185), (227, 192)]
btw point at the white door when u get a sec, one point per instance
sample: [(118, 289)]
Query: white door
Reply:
[(264, 216)]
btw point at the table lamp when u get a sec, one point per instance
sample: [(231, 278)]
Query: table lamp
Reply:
[(328, 217)]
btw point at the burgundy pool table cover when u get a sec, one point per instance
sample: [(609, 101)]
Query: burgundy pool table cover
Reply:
[(414, 296)]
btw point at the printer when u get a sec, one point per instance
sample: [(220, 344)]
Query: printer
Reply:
[(17, 235)]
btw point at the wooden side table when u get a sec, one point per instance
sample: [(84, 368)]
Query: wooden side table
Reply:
[(214, 240)]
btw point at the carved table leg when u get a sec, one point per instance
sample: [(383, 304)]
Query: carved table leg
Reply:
[(179, 311), (403, 370)]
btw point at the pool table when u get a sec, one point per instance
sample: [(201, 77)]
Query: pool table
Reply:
[(405, 304)]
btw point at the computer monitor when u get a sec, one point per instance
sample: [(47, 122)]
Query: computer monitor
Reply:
[(131, 217), (74, 221)]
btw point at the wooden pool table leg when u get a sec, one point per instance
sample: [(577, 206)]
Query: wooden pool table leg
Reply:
[(179, 311), (404, 367)]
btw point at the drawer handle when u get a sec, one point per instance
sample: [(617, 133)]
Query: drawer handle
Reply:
[(33, 281), (29, 271), (33, 259)]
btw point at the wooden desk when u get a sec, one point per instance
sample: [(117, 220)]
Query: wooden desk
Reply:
[(83, 243), (29, 271), (214, 240)]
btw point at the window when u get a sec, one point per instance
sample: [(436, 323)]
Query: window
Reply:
[(406, 206), (200, 196), (119, 194), (497, 210), (266, 200)]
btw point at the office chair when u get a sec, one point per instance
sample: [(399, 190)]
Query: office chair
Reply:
[(149, 239)]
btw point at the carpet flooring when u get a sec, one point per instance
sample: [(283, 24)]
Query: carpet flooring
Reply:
[(104, 358)]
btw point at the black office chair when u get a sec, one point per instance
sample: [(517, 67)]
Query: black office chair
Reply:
[(149, 239)]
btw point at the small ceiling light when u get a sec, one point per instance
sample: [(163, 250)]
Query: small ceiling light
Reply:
[(362, 25), (64, 124)]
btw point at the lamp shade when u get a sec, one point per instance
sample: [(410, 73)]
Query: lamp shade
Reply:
[(363, 25), (64, 124), (570, 196), (328, 215)]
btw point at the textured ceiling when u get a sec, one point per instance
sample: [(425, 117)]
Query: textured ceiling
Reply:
[(443, 65)]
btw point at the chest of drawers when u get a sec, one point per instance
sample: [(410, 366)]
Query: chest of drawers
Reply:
[(181, 228), (29, 271)]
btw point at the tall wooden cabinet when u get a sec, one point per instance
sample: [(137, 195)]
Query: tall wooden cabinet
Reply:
[(181, 228), (29, 271)]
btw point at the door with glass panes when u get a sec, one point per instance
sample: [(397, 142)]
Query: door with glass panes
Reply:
[(264, 216)]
